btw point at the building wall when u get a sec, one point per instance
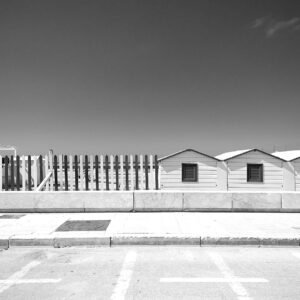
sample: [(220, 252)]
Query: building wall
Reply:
[(170, 172), (237, 172), (296, 164)]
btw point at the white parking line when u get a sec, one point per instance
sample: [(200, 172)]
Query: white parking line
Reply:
[(16, 277), (125, 276), (233, 281), (296, 254), (212, 280), (235, 285)]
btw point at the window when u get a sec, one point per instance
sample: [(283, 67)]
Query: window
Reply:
[(189, 172), (254, 173)]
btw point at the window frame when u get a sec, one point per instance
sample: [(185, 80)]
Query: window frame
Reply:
[(261, 175), (183, 179)]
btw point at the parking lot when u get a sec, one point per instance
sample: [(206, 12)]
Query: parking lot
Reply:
[(150, 273)]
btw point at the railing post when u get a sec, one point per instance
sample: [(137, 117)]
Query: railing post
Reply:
[(76, 172), (86, 167), (106, 172), (136, 172), (12, 173), (117, 172), (41, 168), (146, 172), (18, 172), (29, 172), (156, 173), (97, 172), (66, 172), (126, 173), (55, 173)]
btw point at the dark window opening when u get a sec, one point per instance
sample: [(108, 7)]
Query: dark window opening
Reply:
[(254, 173), (189, 172)]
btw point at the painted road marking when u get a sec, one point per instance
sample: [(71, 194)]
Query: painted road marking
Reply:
[(125, 276), (212, 280), (16, 277), (296, 254), (233, 281), (235, 285)]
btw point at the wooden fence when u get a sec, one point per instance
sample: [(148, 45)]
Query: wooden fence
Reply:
[(79, 173)]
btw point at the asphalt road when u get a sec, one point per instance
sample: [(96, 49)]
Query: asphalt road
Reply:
[(150, 273)]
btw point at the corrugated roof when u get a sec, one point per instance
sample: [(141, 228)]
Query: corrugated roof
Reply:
[(287, 155), (179, 152)]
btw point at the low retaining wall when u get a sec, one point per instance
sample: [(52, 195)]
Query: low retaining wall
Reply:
[(147, 201)]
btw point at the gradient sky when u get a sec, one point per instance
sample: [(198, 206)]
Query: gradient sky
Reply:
[(149, 76)]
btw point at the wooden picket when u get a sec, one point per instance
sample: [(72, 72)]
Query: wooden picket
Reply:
[(79, 173)]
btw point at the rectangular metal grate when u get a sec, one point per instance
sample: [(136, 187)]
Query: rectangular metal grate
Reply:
[(84, 225)]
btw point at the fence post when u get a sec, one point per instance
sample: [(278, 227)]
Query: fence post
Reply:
[(117, 172), (136, 172), (106, 172), (51, 169), (146, 172), (101, 172), (76, 172), (156, 173), (35, 172), (60, 160), (6, 172), (81, 173), (97, 172), (71, 181), (18, 172), (29, 172), (12, 175), (121, 173), (126, 173), (66, 172), (86, 167), (55, 173), (23, 173), (41, 168)]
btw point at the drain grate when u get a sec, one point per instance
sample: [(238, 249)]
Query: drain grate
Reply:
[(11, 216), (84, 225)]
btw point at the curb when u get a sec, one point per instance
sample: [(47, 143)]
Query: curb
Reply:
[(148, 241)]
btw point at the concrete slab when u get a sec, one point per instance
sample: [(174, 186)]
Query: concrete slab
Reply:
[(201, 201), (158, 201), (106, 201), (256, 201), (291, 202)]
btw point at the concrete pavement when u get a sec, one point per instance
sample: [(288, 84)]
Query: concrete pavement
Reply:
[(246, 273), (199, 229)]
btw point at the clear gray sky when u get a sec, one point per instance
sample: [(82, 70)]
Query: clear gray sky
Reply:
[(121, 76)]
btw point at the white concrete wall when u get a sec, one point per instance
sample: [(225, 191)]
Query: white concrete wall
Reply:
[(170, 172), (237, 173)]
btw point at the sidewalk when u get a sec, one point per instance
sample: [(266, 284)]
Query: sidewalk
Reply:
[(199, 229)]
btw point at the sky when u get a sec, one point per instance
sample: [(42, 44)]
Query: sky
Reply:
[(116, 77)]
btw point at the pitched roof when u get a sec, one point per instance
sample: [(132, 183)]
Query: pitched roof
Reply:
[(287, 155), (229, 155), (185, 150)]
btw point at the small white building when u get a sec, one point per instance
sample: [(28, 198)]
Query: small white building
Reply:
[(192, 170), (255, 170), (293, 158)]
